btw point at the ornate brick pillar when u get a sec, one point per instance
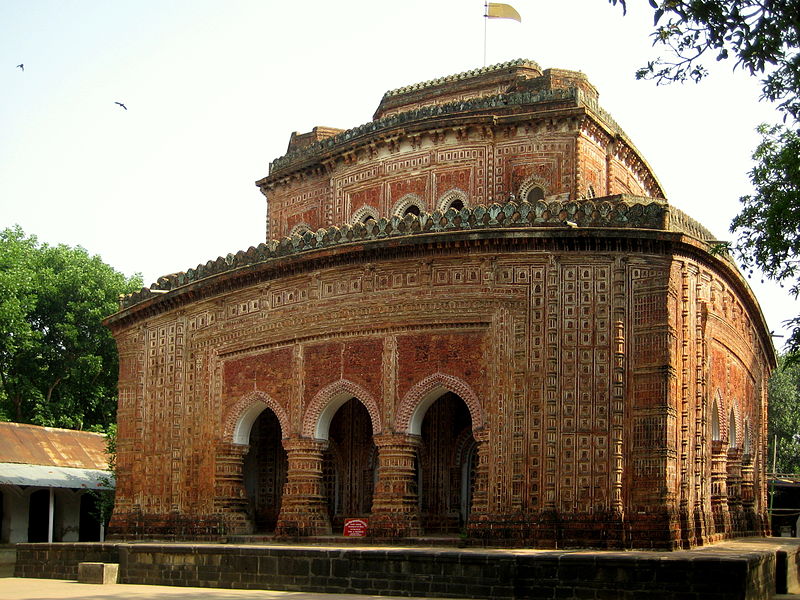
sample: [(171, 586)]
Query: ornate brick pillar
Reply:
[(734, 486), (304, 510), (479, 519), (230, 497), (395, 503), (719, 488), (748, 496)]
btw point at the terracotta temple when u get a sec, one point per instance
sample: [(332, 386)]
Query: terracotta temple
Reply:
[(475, 315)]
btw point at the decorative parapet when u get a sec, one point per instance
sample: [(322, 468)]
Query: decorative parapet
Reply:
[(612, 212), (520, 62), (681, 222), (475, 105)]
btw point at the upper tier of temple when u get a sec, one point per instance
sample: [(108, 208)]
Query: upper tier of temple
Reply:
[(509, 131)]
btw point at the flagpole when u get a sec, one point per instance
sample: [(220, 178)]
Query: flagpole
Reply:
[(485, 20)]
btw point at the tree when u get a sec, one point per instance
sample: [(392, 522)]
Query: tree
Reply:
[(58, 363), (768, 225), (762, 38), (784, 417)]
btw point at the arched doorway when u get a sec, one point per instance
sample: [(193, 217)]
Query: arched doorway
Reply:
[(265, 467), (446, 465), (349, 464)]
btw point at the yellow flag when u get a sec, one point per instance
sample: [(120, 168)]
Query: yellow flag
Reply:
[(495, 10)]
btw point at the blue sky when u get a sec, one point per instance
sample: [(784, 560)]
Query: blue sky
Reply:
[(214, 89)]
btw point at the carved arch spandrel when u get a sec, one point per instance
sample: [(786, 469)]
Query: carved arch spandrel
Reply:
[(531, 182), (300, 229), (242, 415), (450, 196), (363, 213), (328, 400), (406, 202), (419, 398)]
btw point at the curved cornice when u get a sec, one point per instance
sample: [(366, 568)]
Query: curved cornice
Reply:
[(612, 212), (611, 224)]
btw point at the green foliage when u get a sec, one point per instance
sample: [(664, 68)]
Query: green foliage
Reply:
[(104, 499), (760, 37), (768, 225), (58, 363), (784, 416)]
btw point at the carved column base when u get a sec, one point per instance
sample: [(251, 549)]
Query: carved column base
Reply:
[(304, 510), (719, 491), (397, 525), (230, 497), (395, 508), (702, 525), (480, 487), (302, 523)]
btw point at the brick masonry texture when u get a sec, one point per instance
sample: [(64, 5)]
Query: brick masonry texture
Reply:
[(480, 318)]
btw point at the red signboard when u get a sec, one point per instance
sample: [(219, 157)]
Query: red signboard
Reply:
[(355, 528)]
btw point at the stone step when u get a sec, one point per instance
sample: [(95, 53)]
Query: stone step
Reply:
[(97, 572)]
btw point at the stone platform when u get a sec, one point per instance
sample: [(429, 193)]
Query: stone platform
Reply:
[(746, 569)]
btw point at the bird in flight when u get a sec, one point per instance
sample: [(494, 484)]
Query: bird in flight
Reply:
[(122, 105), (21, 66)]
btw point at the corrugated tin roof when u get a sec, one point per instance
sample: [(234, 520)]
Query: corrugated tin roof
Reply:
[(49, 476), (32, 445)]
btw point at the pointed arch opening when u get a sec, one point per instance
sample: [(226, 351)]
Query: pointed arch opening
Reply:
[(746, 448), (259, 423), (716, 435), (455, 199), (446, 465), (265, 468), (732, 443), (444, 411), (532, 189), (329, 400), (364, 214), (299, 229), (349, 464), (410, 204), (346, 415)]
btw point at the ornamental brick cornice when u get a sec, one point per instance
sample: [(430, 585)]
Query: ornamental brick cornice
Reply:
[(610, 224)]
